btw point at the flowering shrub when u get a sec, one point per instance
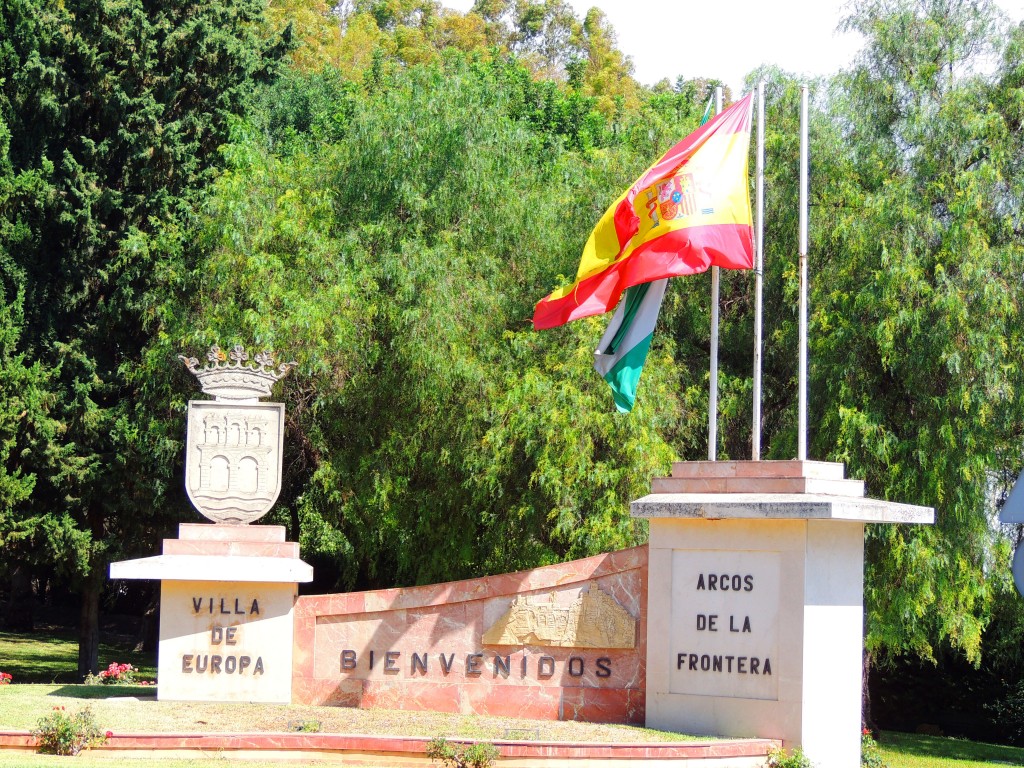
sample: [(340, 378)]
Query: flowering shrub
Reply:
[(117, 673), (5, 678), (59, 733)]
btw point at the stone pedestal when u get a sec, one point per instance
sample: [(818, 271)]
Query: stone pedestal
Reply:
[(227, 594), (755, 602)]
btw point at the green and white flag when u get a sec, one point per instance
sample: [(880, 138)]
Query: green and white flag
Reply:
[(623, 349), (708, 110)]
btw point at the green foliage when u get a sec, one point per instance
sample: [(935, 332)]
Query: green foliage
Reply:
[(310, 725), (778, 758), (870, 755), (61, 733), (917, 358), (915, 321), (1008, 712), (27, 432), (476, 755), (429, 206)]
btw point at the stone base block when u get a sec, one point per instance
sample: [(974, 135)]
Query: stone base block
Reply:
[(221, 641), (755, 602), (227, 596)]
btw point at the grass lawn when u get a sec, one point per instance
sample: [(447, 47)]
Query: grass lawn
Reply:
[(51, 656), (909, 750), (134, 709)]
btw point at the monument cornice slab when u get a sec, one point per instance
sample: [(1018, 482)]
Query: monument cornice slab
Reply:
[(778, 506), (231, 568)]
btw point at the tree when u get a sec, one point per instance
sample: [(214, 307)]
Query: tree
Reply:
[(544, 34), (917, 319), (118, 127), (609, 73)]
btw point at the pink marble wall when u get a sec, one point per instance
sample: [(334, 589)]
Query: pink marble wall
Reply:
[(442, 625)]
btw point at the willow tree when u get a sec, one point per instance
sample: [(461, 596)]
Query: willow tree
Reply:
[(917, 319)]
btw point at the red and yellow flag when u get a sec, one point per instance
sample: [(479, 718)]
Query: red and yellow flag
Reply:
[(687, 212)]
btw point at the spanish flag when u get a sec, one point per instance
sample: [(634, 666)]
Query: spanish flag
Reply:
[(687, 212)]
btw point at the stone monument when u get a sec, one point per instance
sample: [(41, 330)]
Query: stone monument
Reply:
[(755, 602), (228, 589)]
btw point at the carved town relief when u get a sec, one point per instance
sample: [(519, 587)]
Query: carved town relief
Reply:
[(233, 468), (233, 446), (593, 620)]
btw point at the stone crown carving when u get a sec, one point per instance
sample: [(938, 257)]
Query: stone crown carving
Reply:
[(230, 376)]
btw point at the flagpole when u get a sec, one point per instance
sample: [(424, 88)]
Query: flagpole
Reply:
[(713, 394), (802, 428), (758, 275)]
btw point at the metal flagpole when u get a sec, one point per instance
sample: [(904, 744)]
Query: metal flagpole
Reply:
[(802, 434), (713, 394), (758, 274)]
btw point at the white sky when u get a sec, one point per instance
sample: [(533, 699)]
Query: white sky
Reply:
[(728, 38)]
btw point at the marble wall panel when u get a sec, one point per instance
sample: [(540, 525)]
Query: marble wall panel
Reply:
[(422, 647)]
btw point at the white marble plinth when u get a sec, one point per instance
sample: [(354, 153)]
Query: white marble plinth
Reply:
[(233, 568), (227, 594), (755, 603)]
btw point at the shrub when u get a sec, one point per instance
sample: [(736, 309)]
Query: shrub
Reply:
[(60, 733), (778, 758), (870, 756), (476, 755), (118, 673), (1008, 712), (122, 674)]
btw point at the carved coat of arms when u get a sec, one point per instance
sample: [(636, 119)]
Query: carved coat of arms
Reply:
[(234, 443)]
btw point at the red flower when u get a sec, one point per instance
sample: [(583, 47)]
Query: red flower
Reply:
[(110, 734)]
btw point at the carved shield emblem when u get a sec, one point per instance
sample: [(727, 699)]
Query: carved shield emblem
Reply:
[(233, 459)]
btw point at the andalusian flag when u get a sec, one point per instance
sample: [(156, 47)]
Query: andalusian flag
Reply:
[(621, 355), (623, 349), (708, 110), (687, 212)]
